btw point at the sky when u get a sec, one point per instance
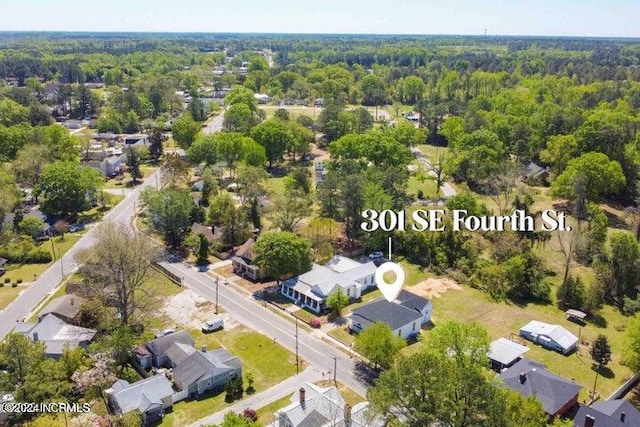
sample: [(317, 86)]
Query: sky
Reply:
[(606, 18)]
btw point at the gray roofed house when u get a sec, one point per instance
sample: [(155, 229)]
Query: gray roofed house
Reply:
[(151, 396), (312, 288), (66, 307), (159, 347), (315, 406), (204, 370), (557, 395), (405, 316), (608, 413), (56, 334), (550, 336)]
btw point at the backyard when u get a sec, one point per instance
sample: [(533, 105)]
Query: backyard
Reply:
[(267, 361)]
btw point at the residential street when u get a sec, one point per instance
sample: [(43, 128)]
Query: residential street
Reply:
[(319, 354), (47, 282)]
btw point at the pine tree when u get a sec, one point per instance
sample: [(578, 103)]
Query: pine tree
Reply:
[(202, 255)]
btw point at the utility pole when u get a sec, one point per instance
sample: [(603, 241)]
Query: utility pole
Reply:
[(335, 368), (297, 358), (217, 282)]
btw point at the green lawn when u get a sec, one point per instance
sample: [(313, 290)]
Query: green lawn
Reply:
[(96, 214), (503, 319), (27, 272), (428, 187), (342, 334), (8, 294), (265, 414), (267, 361)]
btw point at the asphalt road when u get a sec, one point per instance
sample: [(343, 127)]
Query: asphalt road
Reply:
[(47, 282), (19, 309), (214, 125), (319, 354)]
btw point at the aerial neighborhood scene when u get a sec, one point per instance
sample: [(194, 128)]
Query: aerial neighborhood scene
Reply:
[(354, 214)]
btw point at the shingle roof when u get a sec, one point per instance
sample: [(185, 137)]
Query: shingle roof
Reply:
[(67, 306), (380, 310), (178, 352), (553, 391), (159, 346), (56, 333), (324, 407), (411, 300), (609, 413), (141, 395), (199, 364)]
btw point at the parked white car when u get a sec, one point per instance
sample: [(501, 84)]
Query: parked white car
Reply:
[(213, 325)]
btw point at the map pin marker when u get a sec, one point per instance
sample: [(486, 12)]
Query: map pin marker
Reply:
[(390, 290)]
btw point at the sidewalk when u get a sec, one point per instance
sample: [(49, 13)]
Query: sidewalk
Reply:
[(258, 400)]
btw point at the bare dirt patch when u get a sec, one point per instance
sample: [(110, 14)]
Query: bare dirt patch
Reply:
[(190, 310), (434, 288)]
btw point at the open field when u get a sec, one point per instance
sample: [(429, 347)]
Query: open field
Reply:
[(504, 319)]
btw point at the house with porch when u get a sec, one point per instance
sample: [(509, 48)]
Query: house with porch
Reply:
[(312, 288), (243, 264)]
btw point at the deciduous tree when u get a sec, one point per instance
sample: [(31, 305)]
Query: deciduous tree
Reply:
[(117, 268), (283, 253)]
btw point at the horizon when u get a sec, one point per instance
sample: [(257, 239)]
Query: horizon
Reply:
[(546, 18)]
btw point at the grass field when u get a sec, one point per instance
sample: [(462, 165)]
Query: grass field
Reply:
[(503, 319), (267, 361)]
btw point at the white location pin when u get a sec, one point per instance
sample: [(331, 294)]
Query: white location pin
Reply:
[(390, 290)]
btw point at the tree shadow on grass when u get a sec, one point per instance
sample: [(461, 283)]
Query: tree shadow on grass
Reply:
[(605, 372)]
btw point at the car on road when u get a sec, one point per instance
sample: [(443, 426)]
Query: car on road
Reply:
[(76, 227), (213, 325)]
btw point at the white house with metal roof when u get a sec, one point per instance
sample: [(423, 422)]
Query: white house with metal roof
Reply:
[(312, 288), (554, 337)]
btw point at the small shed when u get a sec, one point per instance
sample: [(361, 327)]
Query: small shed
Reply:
[(503, 353), (576, 315)]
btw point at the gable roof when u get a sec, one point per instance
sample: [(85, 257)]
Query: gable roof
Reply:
[(325, 407), (245, 250), (200, 364), (505, 351), (380, 310), (143, 395), (67, 306), (412, 301), (321, 280), (557, 333), (159, 346), (532, 378), (609, 413), (56, 333)]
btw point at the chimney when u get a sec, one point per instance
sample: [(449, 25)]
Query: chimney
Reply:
[(204, 348), (347, 415), (623, 417), (589, 421), (302, 397), (523, 377), (35, 336)]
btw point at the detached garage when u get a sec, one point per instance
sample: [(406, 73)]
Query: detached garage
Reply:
[(554, 337)]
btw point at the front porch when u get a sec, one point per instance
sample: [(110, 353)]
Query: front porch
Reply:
[(311, 302)]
